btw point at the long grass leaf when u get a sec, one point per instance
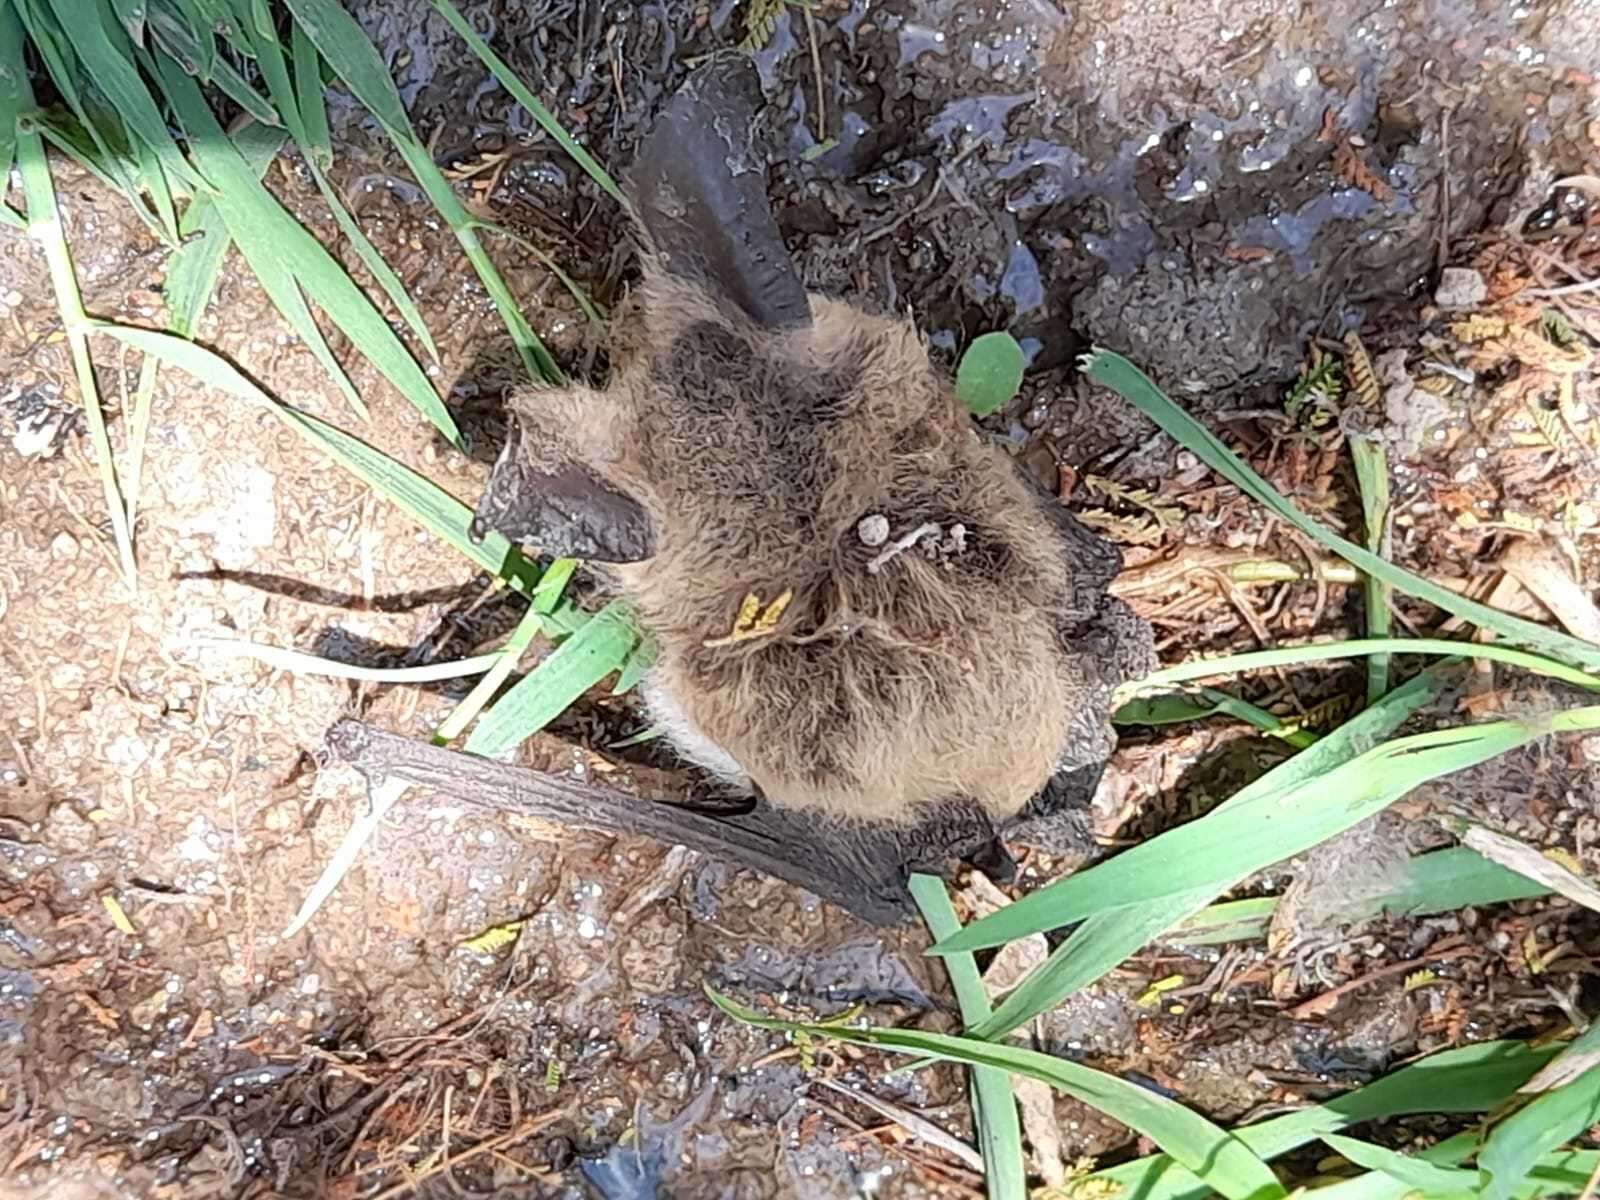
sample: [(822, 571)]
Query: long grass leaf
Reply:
[(203, 26), (274, 243), (1414, 1172), (594, 650), (177, 39), (1471, 1079), (1225, 1163), (994, 1107), (11, 85), (1285, 656), (312, 100), (1226, 846), (1305, 770), (512, 83), (348, 51), (114, 74), (543, 694), (463, 714), (297, 662), (1172, 708), (275, 70), (1121, 376), (1437, 882), (44, 224), (1544, 1123), (640, 660), (420, 498)]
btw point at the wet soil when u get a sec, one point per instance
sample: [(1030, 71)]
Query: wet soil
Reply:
[(1207, 189)]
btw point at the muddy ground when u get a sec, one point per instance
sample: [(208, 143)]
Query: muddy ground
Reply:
[(1210, 189)]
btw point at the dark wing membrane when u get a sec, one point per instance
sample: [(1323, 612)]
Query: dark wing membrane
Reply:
[(699, 192)]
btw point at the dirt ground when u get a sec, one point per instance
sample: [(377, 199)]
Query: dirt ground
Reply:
[(1212, 190)]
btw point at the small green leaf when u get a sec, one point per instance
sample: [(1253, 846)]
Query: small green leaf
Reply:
[(990, 373)]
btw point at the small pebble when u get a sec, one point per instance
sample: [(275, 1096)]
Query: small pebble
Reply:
[(1460, 287), (63, 545), (873, 529)]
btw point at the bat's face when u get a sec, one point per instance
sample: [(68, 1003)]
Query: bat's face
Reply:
[(860, 608)]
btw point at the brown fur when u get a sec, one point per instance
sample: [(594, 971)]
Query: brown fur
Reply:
[(755, 454)]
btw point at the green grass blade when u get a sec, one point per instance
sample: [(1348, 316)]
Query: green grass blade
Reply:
[(552, 583), (994, 1107), (44, 224), (593, 311), (1437, 882), (1538, 1127), (174, 36), (270, 60), (11, 91), (131, 15), (203, 30), (637, 667), (153, 180), (1414, 1172), (1108, 938), (138, 436), (1287, 656), (429, 505), (508, 79), (115, 76), (1121, 376), (1472, 1079), (1225, 1163), (462, 715), (1372, 478), (352, 56), (311, 100), (1224, 847), (579, 663), (1172, 708), (1307, 770), (1229, 921), (275, 246)]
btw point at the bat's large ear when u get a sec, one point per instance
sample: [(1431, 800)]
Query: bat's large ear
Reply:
[(559, 497), (699, 192)]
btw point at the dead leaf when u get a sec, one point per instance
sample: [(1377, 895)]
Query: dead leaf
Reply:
[(1517, 856), (1538, 568)]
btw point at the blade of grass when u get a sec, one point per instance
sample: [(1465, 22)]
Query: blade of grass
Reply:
[(506, 660), (1173, 708), (44, 225), (1108, 938), (116, 77), (994, 1108), (1372, 478), (311, 102), (11, 98), (280, 658), (174, 36), (1544, 1123), (285, 257), (591, 310), (1306, 769), (1121, 376), (508, 79), (1232, 843), (638, 665), (199, 24), (1413, 1172), (424, 501), (1225, 1163), (98, 140), (576, 665), (1232, 664), (270, 61), (552, 583), (347, 50), (1471, 1079), (1437, 882)]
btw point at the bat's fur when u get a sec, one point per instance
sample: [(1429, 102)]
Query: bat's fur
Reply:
[(747, 456)]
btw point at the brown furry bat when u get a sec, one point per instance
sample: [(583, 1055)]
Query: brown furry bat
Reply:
[(754, 443)]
